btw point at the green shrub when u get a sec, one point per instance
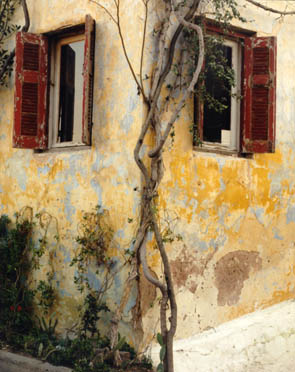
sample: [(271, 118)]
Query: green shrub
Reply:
[(16, 298)]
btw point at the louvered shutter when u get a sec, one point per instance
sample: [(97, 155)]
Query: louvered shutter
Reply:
[(30, 100), (259, 96), (88, 73)]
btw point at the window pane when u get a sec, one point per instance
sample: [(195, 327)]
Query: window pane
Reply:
[(217, 120), (71, 91)]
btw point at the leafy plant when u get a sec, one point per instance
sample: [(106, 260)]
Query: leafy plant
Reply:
[(16, 260), (36, 334), (7, 9), (46, 294), (94, 239), (90, 316), (160, 367)]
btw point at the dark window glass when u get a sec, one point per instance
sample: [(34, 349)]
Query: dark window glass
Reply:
[(215, 121), (71, 90)]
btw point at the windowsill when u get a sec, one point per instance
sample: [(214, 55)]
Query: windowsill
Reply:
[(64, 149), (67, 144), (217, 148)]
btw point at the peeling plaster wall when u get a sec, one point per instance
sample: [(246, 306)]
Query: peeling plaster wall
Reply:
[(67, 183), (236, 215)]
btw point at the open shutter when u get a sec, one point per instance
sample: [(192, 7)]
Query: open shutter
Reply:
[(259, 96), (30, 100), (88, 73)]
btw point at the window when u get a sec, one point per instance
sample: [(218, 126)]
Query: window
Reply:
[(67, 91), (247, 124), (54, 88)]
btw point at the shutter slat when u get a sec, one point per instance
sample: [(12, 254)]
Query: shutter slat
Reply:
[(259, 113), (31, 78), (260, 61), (31, 57), (30, 98), (259, 95), (29, 125)]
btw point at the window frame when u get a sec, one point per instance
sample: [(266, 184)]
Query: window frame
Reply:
[(235, 102), (55, 62)]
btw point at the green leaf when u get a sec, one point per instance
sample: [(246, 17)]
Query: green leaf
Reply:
[(120, 343), (160, 368), (162, 353), (40, 349), (43, 324), (160, 339)]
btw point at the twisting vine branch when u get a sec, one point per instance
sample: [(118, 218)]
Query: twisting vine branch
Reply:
[(189, 90), (145, 2), (146, 269), (264, 7), (27, 16), (151, 167), (117, 22), (140, 87), (105, 9)]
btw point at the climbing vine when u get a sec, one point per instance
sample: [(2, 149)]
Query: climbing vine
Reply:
[(175, 21), (7, 9)]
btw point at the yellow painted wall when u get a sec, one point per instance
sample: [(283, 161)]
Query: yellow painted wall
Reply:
[(236, 215)]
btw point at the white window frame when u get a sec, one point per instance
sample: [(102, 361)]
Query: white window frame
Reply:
[(55, 93), (234, 135)]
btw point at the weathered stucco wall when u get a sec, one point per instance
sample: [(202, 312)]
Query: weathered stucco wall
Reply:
[(67, 183), (236, 215)]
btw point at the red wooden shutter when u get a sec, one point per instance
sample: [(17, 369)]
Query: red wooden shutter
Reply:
[(259, 100), (30, 100), (88, 73)]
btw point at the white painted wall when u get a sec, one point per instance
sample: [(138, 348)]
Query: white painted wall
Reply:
[(261, 341)]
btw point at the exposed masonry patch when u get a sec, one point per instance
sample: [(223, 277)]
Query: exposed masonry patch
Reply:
[(187, 267), (230, 273)]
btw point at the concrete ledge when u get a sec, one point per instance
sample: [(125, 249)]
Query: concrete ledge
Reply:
[(10, 362), (261, 341)]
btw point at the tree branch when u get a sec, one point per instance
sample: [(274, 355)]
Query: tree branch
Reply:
[(253, 2), (27, 16), (125, 52), (105, 9), (168, 276), (156, 95), (146, 269), (170, 53), (189, 90), (162, 42), (118, 24), (143, 44), (169, 334)]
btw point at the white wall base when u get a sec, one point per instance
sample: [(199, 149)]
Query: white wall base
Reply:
[(261, 341)]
